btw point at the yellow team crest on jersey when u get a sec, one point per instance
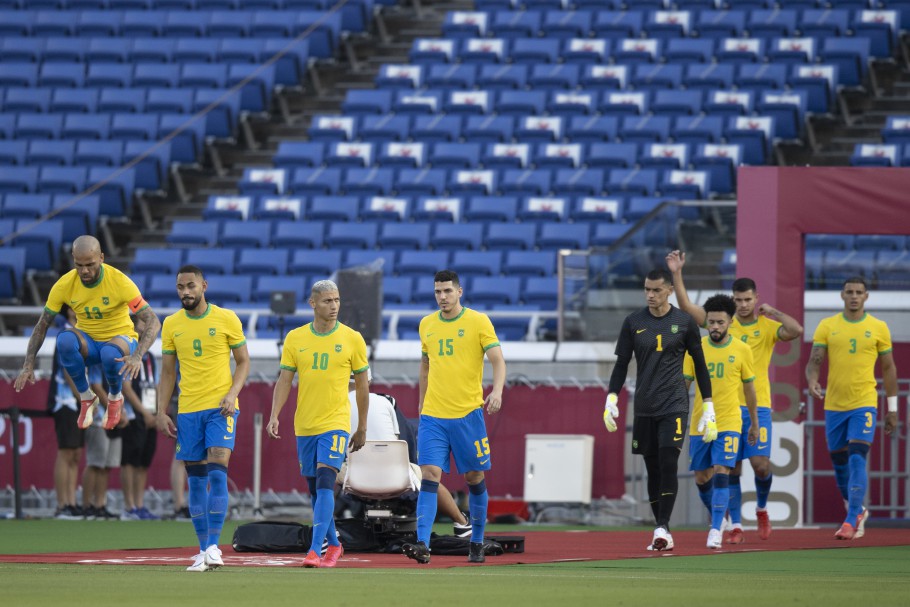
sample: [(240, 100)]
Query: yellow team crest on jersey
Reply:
[(105, 300), (212, 331), (460, 332)]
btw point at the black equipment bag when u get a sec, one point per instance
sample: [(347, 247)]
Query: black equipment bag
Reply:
[(272, 536)]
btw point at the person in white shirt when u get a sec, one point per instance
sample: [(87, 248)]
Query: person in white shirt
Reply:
[(382, 424)]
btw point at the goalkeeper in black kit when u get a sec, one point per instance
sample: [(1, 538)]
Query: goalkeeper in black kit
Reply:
[(659, 337)]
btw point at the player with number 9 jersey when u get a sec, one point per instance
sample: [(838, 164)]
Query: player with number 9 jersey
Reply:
[(203, 345)]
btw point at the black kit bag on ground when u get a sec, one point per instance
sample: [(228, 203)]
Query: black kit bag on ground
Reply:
[(272, 536)]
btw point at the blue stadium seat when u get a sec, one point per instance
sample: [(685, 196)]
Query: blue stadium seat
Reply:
[(491, 208), (299, 235), (401, 76), (539, 129), (121, 100), (13, 152), (667, 25), (606, 234), (397, 290), (491, 290), (74, 100), (61, 180), (792, 51), (892, 269), (79, 215), (155, 74), (454, 155), (438, 128), (397, 236), (431, 51), (583, 50), (506, 155), (875, 155), (587, 182), (824, 23), (502, 77), (371, 181), (633, 181), (686, 184), (829, 242), (153, 50), (463, 102), (315, 262), (421, 263), (406, 155), (239, 234), (604, 77), (479, 182), (227, 207), (737, 51), (265, 285), (53, 23), (263, 261), (754, 133), (597, 210), (664, 156), (625, 103), (27, 99), (224, 289), (720, 161), (616, 24), (259, 82), (80, 126), (186, 232), (566, 24), (489, 129), (530, 263), (18, 179), (563, 236), (676, 103), (592, 129), (385, 209), (726, 103), (161, 288), (286, 208), (42, 242), (188, 50), (343, 154), (880, 28), (417, 182), (161, 261), (12, 271), (535, 51), (657, 77), (381, 129), (517, 24), (437, 209), (557, 155), (484, 51), (504, 236), (698, 129), (772, 23), (38, 126), (152, 167), (787, 108), (638, 50), (314, 182), (612, 155), (476, 263), (850, 55), (532, 182), (212, 261), (332, 128), (708, 76), (457, 236), (571, 103), (760, 77), (689, 50), (541, 291), (365, 102), (25, 206), (347, 235), (418, 103), (383, 261)]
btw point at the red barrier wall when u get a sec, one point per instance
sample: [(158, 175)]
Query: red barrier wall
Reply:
[(544, 410)]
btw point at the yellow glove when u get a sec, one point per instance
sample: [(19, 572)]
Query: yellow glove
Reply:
[(707, 425), (611, 412)]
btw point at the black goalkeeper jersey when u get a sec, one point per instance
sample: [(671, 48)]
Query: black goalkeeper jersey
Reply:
[(659, 345)]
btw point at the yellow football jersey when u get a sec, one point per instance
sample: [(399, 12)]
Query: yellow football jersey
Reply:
[(730, 366), (853, 347), (102, 308), (323, 363), (456, 349), (761, 335), (203, 347)]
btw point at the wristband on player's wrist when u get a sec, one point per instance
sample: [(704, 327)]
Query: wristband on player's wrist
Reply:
[(892, 404)]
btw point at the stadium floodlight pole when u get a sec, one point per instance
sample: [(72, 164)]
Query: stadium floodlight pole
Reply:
[(257, 465)]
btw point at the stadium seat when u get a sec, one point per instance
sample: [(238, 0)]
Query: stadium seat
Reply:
[(186, 232), (262, 262), (212, 261), (315, 262), (398, 236), (12, 272), (225, 289), (505, 237), (299, 235), (161, 261), (457, 236), (474, 263), (421, 263), (351, 235), (489, 290)]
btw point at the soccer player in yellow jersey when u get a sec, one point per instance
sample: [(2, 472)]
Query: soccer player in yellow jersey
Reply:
[(714, 441), (761, 327), (323, 354), (854, 341), (454, 342), (103, 298), (202, 338)]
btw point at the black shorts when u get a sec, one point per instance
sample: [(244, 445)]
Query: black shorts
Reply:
[(139, 444), (651, 433), (69, 435)]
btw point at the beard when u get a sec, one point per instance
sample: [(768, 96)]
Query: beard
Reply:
[(189, 303), (719, 336)]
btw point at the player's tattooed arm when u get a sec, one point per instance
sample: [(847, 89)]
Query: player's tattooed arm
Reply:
[(816, 358), (150, 330), (27, 374)]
